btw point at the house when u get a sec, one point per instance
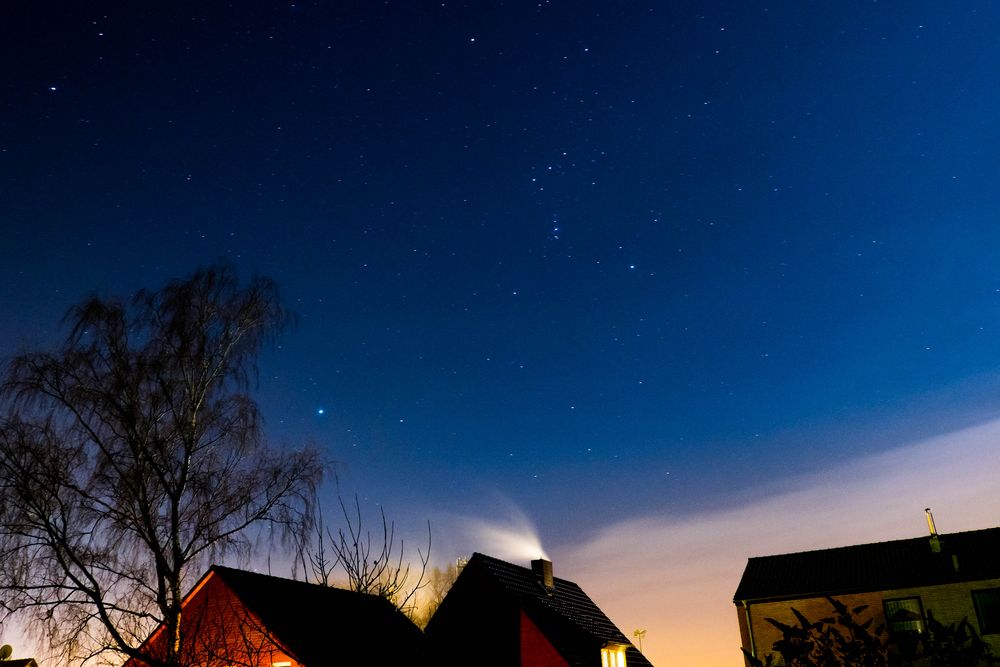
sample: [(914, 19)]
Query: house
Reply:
[(235, 618), (5, 660), (498, 613), (954, 576), (20, 662)]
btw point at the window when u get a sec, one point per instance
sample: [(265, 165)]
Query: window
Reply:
[(904, 616), (987, 604), (613, 656)]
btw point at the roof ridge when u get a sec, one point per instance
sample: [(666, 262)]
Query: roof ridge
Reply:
[(521, 567), (941, 536), (887, 565), (224, 571)]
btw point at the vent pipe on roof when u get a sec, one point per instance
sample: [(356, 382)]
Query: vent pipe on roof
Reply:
[(935, 541), (930, 522), (543, 572)]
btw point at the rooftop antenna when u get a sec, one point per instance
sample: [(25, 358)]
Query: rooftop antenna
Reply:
[(6, 651)]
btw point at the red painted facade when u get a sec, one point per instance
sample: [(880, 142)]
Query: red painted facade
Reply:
[(536, 650), (218, 630)]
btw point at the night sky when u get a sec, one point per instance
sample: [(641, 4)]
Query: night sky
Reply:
[(571, 265)]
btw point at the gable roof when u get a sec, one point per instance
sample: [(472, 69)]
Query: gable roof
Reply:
[(563, 615), (322, 624), (873, 567)]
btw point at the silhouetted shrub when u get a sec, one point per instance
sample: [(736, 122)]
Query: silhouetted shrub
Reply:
[(842, 639)]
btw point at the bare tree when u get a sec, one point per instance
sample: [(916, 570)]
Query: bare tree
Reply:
[(222, 631), (439, 582), (133, 455), (372, 564)]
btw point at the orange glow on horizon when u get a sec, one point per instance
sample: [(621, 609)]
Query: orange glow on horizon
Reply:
[(676, 578)]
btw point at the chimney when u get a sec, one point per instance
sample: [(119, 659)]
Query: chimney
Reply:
[(543, 572), (935, 541)]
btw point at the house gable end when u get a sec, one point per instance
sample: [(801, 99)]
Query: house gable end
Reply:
[(536, 649), (511, 600)]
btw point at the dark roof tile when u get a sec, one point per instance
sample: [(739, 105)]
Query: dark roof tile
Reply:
[(562, 614), (322, 624), (20, 662), (873, 567)]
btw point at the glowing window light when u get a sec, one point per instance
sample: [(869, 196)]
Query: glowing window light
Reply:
[(613, 656)]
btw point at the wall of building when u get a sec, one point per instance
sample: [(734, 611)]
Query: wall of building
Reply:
[(221, 631), (218, 631), (949, 603), (536, 649)]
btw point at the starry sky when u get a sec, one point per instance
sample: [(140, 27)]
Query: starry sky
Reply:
[(560, 266)]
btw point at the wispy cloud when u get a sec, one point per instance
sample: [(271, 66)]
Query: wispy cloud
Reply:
[(675, 576)]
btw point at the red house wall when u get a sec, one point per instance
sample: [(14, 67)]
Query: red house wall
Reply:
[(218, 631), (536, 651)]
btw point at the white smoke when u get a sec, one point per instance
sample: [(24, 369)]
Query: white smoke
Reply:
[(509, 534)]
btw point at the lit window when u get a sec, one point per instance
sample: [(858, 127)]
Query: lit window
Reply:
[(904, 615), (987, 604), (613, 656)]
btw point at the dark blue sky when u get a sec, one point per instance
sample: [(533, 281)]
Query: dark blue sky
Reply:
[(601, 259)]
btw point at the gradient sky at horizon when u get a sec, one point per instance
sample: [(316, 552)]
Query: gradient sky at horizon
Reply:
[(591, 261)]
